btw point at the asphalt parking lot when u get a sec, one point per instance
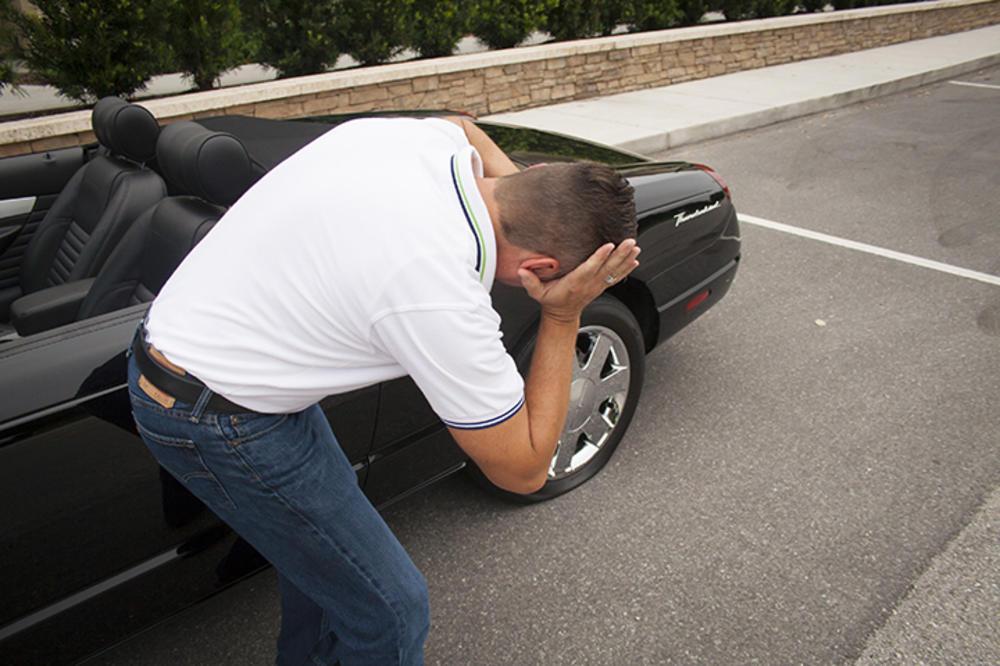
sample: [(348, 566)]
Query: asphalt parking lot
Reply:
[(800, 456)]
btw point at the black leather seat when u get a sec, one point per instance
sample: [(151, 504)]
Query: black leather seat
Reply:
[(97, 205), (215, 169)]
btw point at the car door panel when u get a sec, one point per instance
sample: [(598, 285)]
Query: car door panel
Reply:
[(92, 526), (352, 419), (403, 411), (10, 227), (38, 173), (412, 464), (410, 445), (83, 500)]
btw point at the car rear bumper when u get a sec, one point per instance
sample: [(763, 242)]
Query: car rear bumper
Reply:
[(687, 306)]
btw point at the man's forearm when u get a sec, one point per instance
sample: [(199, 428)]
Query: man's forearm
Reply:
[(495, 161), (548, 386)]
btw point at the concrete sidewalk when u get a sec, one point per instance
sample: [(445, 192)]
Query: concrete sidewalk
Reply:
[(950, 616), (653, 120)]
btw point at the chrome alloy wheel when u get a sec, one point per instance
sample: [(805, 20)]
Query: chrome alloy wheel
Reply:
[(596, 399)]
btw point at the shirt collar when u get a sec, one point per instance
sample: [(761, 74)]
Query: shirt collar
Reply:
[(466, 165)]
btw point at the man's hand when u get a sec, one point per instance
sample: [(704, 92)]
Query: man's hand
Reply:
[(566, 297)]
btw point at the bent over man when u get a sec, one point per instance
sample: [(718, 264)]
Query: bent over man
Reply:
[(368, 255)]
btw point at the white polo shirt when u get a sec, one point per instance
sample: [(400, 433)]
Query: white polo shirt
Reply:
[(367, 255)]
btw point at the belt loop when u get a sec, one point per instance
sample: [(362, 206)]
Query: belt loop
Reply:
[(199, 407)]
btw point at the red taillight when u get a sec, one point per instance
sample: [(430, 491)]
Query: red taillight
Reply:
[(711, 172), (697, 300)]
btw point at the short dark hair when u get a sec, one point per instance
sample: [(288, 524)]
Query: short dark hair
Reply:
[(566, 210)]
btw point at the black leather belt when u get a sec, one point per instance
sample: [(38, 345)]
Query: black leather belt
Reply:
[(186, 388)]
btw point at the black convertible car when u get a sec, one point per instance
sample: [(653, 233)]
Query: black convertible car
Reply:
[(96, 541)]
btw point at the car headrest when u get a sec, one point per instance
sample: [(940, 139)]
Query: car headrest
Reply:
[(128, 130), (212, 165)]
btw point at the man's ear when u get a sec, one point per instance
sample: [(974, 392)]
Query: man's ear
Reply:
[(546, 268)]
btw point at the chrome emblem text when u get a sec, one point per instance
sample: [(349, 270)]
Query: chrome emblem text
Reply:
[(681, 218)]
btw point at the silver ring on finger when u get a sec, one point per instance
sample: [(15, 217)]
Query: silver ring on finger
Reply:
[(610, 279)]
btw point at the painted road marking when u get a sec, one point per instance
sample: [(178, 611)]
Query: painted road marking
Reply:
[(873, 249), (975, 85)]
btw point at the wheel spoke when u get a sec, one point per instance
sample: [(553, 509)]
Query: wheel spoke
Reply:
[(616, 382), (595, 360), (578, 364), (597, 429), (564, 454)]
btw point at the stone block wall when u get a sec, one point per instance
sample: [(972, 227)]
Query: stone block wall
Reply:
[(533, 76)]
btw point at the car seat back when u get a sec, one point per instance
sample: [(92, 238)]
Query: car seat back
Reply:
[(216, 169), (100, 201)]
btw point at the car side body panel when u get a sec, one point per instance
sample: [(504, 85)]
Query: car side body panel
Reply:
[(90, 524)]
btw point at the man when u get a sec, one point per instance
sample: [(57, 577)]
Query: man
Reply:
[(368, 255)]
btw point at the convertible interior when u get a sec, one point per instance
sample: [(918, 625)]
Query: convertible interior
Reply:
[(129, 215)]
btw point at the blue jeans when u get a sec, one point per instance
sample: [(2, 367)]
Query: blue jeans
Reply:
[(349, 591)]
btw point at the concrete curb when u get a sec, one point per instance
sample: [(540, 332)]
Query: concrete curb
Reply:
[(660, 141)]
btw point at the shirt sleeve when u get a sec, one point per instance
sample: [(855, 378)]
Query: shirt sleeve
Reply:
[(458, 361)]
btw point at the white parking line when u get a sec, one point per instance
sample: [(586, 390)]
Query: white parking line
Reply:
[(975, 85), (873, 249)]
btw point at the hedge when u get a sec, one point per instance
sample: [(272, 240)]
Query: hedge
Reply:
[(437, 26), (8, 75), (501, 24), (91, 48), (295, 37), (375, 30), (206, 38)]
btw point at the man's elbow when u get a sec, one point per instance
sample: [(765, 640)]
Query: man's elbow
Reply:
[(522, 482)]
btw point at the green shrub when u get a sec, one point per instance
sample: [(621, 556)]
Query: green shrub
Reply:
[(692, 11), (653, 14), (768, 8), (735, 10), (8, 74), (573, 19), (92, 48), (206, 38), (739, 10), (296, 37), (858, 4), (501, 24), (374, 30), (437, 26), (813, 5), (617, 12)]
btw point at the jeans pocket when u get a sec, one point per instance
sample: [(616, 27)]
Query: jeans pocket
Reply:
[(184, 461), (253, 425)]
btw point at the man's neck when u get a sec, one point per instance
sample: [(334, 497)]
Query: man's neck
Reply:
[(508, 256), (487, 189)]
